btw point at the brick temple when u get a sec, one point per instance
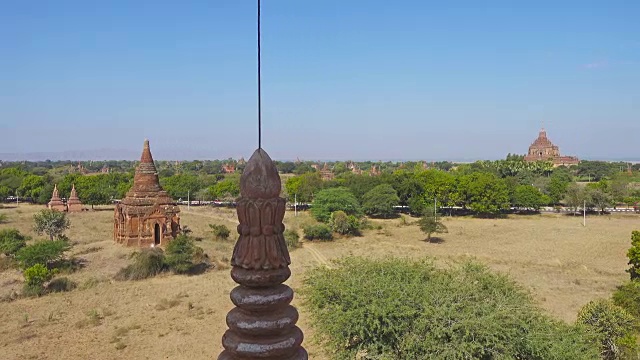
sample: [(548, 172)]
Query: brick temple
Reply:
[(56, 202), (542, 149), (147, 216)]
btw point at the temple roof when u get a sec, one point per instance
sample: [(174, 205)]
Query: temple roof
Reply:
[(542, 140)]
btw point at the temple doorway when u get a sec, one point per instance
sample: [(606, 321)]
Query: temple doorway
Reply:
[(156, 234)]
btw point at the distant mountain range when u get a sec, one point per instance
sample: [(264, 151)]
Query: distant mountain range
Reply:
[(121, 154)]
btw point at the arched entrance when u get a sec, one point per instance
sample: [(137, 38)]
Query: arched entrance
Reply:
[(156, 234)]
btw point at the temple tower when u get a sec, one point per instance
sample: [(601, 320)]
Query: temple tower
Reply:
[(74, 204), (147, 216), (56, 203)]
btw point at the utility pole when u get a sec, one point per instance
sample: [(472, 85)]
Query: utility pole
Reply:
[(17, 197), (188, 200), (435, 207), (584, 214), (295, 204)]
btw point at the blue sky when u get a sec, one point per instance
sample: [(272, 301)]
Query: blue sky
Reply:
[(341, 79)]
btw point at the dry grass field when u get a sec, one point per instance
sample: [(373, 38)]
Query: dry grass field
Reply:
[(182, 317)]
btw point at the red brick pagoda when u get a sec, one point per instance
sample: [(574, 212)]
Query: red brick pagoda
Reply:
[(147, 216), (542, 149)]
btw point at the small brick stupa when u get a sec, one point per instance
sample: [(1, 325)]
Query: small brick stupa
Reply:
[(74, 204), (147, 216), (56, 203)]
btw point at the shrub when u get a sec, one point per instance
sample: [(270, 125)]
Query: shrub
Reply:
[(380, 201), (42, 252), (53, 223), (344, 224), (627, 296), (62, 284), (179, 254), (333, 199), (34, 279), (220, 232), (634, 255), (292, 239), (402, 309), (11, 241), (612, 325), (146, 263), (318, 232), (3, 217)]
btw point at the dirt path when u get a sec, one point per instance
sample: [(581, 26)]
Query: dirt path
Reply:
[(317, 255)]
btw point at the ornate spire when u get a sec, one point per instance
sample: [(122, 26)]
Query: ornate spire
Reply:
[(56, 203), (262, 325), (55, 195), (74, 194), (146, 179)]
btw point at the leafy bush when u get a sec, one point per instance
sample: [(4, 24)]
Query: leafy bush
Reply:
[(220, 231), (402, 309), (318, 232), (627, 296), (146, 263), (333, 199), (42, 252), (11, 241), (3, 217), (179, 254), (612, 325), (292, 239), (344, 224), (634, 255), (380, 201), (62, 284), (50, 222), (34, 279)]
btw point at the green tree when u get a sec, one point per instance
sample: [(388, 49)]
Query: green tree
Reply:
[(53, 223), (611, 324), (303, 187), (429, 223), (574, 197), (179, 186), (598, 198), (329, 200), (634, 256), (558, 185), (527, 196), (11, 241), (484, 193), (380, 201), (31, 186), (227, 189)]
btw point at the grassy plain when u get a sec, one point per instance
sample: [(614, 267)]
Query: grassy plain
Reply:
[(561, 262)]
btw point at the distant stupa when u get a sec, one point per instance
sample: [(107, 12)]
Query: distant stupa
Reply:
[(56, 203), (73, 203)]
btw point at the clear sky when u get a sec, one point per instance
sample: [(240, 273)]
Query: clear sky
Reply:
[(375, 79)]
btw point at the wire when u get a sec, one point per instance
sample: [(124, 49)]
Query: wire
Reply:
[(259, 86)]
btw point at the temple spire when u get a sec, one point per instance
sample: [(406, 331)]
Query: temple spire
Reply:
[(146, 179)]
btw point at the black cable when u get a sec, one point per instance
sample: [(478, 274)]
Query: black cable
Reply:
[(259, 87)]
